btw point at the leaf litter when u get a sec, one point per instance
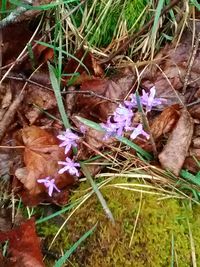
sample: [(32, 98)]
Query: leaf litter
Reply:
[(94, 96)]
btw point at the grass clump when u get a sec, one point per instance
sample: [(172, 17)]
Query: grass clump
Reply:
[(159, 222)]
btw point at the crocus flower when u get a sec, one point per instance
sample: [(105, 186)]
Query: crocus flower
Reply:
[(49, 183), (69, 140), (139, 130), (69, 166), (149, 100)]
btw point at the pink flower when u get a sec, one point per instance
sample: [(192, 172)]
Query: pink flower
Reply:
[(69, 140), (139, 130), (69, 166), (50, 184)]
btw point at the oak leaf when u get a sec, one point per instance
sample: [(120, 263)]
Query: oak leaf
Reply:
[(41, 156)]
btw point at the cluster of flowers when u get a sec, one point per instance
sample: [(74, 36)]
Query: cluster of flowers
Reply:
[(69, 140), (116, 125), (121, 120)]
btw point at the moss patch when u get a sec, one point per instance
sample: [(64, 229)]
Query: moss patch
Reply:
[(159, 222)]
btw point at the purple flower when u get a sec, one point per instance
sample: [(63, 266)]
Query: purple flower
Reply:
[(69, 166), (123, 114), (112, 128), (139, 130), (132, 103), (149, 100), (69, 140), (49, 183)]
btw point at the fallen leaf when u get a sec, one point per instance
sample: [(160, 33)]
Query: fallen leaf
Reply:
[(40, 97), (168, 74), (196, 142), (92, 106), (165, 122), (41, 156), (175, 151), (24, 245), (88, 68), (195, 111)]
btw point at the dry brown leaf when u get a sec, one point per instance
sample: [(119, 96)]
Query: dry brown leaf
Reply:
[(175, 151), (90, 65), (165, 122), (41, 156), (173, 61), (196, 142), (195, 111), (24, 246), (42, 98), (97, 109)]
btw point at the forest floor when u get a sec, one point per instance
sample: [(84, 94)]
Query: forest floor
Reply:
[(100, 133)]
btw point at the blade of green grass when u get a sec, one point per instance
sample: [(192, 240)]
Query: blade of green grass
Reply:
[(67, 254), (156, 24), (124, 140), (195, 179), (69, 207), (56, 88), (98, 193), (64, 53)]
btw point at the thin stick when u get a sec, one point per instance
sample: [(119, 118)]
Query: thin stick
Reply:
[(12, 147), (190, 63), (9, 115)]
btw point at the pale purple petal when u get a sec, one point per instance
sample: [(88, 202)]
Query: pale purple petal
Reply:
[(139, 131), (69, 140), (149, 100), (64, 169), (50, 184), (50, 191), (130, 104), (69, 166)]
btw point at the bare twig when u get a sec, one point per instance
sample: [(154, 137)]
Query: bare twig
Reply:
[(12, 17), (190, 63), (90, 93), (9, 115)]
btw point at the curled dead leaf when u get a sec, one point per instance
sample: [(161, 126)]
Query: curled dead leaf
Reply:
[(165, 122), (175, 151)]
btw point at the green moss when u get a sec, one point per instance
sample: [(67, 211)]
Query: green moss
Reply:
[(158, 221)]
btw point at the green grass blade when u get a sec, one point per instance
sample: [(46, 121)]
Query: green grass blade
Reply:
[(67, 254), (98, 193), (68, 207), (64, 53), (156, 24), (124, 140), (56, 88), (195, 179)]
